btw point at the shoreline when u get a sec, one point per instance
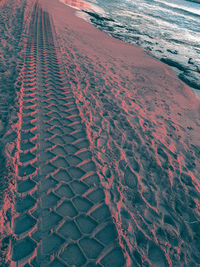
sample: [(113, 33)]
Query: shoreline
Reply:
[(186, 70), (173, 65)]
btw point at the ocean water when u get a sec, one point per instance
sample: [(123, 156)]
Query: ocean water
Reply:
[(168, 29)]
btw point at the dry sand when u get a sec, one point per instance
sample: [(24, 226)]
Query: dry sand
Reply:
[(107, 152)]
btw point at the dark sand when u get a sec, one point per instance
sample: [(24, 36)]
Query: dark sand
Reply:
[(106, 157)]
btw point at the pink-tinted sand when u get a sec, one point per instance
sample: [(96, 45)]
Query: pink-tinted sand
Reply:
[(143, 127)]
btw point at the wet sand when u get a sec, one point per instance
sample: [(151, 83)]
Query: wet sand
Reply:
[(106, 156)]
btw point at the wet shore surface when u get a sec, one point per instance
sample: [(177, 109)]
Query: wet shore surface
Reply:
[(187, 69), (168, 31)]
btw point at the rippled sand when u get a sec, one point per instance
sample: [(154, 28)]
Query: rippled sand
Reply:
[(117, 129)]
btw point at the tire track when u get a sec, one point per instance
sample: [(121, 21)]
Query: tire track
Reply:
[(61, 217)]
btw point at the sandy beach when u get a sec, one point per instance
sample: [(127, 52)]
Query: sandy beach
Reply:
[(101, 149)]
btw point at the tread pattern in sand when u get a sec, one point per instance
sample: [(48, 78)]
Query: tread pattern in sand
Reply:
[(61, 216)]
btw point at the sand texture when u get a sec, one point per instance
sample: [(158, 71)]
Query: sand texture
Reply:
[(103, 149)]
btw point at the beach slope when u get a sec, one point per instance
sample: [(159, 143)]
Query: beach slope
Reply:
[(106, 163)]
